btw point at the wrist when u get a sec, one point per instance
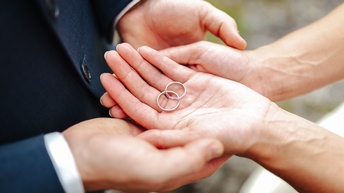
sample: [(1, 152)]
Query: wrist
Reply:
[(277, 72), (274, 133), (299, 151), (270, 132)]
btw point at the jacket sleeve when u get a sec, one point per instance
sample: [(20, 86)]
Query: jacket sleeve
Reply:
[(25, 166), (106, 11)]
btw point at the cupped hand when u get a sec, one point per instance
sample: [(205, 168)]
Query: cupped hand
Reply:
[(108, 155), (212, 106), (164, 23)]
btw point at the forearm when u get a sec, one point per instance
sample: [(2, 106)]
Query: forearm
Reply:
[(302, 153), (304, 60)]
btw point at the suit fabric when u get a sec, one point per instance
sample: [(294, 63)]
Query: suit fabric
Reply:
[(51, 57)]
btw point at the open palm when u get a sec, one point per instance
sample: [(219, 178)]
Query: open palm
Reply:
[(212, 106)]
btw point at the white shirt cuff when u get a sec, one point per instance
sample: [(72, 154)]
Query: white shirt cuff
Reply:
[(63, 162), (125, 10), (119, 16)]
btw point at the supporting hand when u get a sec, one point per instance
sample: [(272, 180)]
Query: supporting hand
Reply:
[(109, 156), (220, 60)]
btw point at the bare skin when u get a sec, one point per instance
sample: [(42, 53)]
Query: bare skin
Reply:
[(247, 123), (298, 63), (160, 24), (108, 155), (164, 23)]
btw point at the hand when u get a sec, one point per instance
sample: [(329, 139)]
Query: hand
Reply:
[(207, 57), (164, 23), (212, 106), (109, 156), (223, 61)]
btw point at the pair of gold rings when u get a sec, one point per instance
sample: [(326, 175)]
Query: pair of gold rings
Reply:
[(172, 95)]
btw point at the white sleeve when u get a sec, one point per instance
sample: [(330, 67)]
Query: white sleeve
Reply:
[(119, 16), (63, 162), (125, 10)]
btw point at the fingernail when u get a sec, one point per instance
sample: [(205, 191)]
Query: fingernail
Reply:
[(102, 74), (100, 100), (216, 150), (105, 54), (118, 46), (110, 113)]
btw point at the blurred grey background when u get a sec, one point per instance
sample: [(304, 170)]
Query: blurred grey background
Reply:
[(261, 22)]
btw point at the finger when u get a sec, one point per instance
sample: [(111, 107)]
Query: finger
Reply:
[(133, 107), (168, 138), (172, 138), (191, 158), (211, 58), (107, 101), (150, 74), (170, 68), (208, 169), (223, 26), (132, 80), (117, 112), (190, 54)]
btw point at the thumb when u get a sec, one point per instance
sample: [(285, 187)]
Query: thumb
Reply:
[(223, 26), (193, 161), (165, 139)]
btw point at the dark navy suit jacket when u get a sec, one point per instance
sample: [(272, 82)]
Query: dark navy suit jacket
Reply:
[(51, 57)]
